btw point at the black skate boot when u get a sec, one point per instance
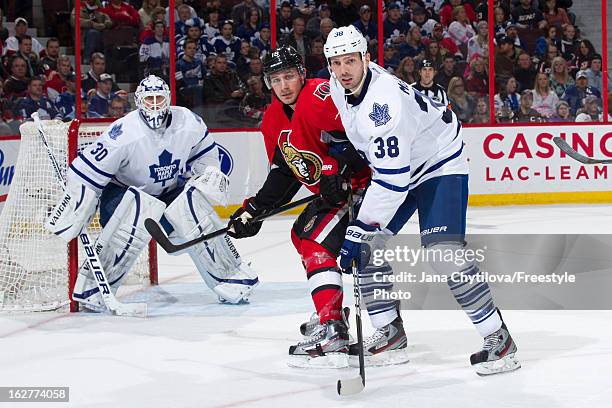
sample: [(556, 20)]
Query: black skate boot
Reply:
[(497, 354), (307, 328), (326, 347), (387, 346)]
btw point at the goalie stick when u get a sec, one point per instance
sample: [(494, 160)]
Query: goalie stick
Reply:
[(355, 385), (158, 233), (567, 149), (95, 266)]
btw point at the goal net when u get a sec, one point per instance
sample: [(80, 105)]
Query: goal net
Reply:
[(38, 269)]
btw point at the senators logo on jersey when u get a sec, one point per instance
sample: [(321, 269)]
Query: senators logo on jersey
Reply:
[(304, 164), (322, 91)]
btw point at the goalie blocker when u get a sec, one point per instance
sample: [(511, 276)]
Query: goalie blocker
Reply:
[(122, 214)]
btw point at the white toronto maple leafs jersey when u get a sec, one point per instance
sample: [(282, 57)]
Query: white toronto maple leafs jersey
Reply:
[(405, 136), (129, 153)]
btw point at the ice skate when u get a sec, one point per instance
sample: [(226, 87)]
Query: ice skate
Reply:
[(326, 347), (387, 346), (497, 354), (307, 328)]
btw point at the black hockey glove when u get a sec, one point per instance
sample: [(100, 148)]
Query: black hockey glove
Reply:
[(239, 224), (335, 181)]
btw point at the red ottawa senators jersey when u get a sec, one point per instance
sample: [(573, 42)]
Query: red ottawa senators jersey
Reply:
[(302, 140)]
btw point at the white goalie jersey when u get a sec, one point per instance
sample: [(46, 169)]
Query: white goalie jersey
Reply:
[(406, 137), (129, 153)]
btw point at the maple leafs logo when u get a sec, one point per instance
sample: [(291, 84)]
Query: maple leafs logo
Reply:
[(115, 131), (380, 114), (166, 170)]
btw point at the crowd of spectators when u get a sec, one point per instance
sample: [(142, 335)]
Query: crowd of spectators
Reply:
[(544, 70), (539, 56)]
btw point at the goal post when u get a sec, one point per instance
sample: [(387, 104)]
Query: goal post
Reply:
[(38, 269)]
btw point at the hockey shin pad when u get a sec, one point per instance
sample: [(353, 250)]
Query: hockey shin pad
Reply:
[(374, 281), (217, 259), (474, 296), (118, 246)]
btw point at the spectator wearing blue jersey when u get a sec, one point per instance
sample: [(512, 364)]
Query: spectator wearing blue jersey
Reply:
[(155, 52), (365, 24), (180, 25), (66, 101), (118, 107), (227, 43), (250, 27), (36, 101), (100, 100), (394, 27), (204, 48), (262, 40), (189, 70), (574, 94), (413, 47), (391, 58)]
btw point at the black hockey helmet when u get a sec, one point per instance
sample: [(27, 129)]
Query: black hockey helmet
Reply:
[(282, 58)]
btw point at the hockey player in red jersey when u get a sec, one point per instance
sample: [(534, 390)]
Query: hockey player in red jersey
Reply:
[(306, 145)]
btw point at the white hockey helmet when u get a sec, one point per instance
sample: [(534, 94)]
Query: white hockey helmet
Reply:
[(153, 101), (345, 40)]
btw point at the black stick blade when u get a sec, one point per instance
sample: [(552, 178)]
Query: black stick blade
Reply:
[(567, 149), (159, 235)]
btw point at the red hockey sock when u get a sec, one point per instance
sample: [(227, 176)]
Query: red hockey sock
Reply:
[(324, 280)]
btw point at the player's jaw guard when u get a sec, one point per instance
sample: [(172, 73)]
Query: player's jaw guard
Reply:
[(153, 101)]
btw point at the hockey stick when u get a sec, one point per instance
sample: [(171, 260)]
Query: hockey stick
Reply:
[(357, 384), (158, 233), (95, 266), (567, 149)]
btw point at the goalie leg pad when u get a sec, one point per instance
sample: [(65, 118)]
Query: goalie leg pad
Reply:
[(119, 245), (217, 259)]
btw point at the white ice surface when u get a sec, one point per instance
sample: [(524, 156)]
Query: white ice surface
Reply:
[(193, 352)]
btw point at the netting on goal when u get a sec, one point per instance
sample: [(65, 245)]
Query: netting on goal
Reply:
[(37, 269)]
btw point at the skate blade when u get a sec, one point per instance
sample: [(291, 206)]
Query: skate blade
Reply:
[(392, 357), (329, 360), (503, 365)]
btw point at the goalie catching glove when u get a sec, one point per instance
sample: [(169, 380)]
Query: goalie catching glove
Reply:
[(240, 225)]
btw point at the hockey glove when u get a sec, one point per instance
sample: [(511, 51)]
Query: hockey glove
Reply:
[(357, 242), (239, 223), (335, 181)]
